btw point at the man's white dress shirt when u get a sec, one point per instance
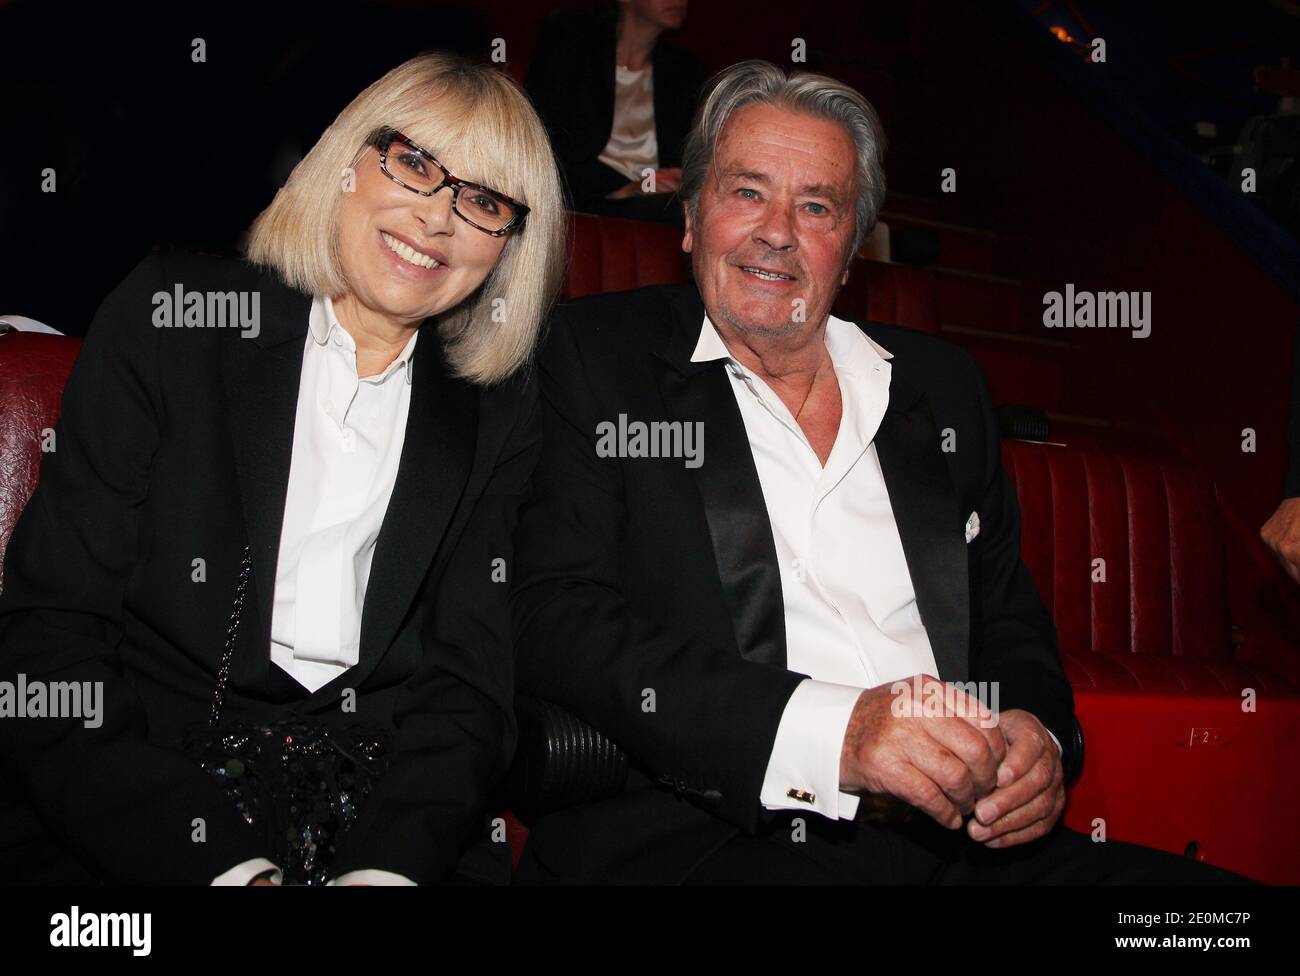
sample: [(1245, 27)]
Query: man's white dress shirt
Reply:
[(851, 620), (347, 442)]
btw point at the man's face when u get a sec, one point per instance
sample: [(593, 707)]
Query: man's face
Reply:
[(770, 237)]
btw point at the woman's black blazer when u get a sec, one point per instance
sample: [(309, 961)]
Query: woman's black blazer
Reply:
[(174, 446)]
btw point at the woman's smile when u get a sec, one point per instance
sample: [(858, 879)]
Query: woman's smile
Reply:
[(421, 263)]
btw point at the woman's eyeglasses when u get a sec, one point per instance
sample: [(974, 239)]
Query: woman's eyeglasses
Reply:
[(406, 164)]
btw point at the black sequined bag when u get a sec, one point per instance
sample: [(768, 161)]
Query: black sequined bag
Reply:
[(301, 783)]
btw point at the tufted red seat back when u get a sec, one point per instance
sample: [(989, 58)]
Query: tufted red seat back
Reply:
[(895, 293), (610, 254), (33, 369), (1128, 555)]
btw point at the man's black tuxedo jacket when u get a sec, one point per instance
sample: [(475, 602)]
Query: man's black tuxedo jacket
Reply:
[(174, 445), (648, 598), (571, 81)]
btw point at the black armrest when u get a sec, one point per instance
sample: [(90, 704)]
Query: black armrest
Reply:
[(561, 760), (1022, 423)]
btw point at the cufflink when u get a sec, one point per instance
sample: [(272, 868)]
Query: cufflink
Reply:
[(803, 796), (972, 526)]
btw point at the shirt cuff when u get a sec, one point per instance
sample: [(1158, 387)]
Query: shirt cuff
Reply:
[(803, 772), (241, 874), (370, 876)]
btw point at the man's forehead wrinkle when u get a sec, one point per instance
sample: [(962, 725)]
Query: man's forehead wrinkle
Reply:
[(783, 149), (781, 124), (764, 141), (826, 179)]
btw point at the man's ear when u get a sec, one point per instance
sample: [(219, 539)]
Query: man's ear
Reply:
[(688, 239)]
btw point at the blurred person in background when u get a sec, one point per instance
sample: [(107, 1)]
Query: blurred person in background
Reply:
[(617, 101)]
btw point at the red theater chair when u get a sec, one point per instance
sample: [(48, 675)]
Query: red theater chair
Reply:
[(1190, 734), (611, 254)]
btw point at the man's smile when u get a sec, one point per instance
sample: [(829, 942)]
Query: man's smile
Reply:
[(766, 274)]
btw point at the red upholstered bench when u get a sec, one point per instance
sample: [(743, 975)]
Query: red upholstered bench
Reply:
[(1173, 758), (611, 254), (896, 293)]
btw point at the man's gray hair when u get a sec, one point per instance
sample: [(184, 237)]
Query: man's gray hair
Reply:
[(763, 83)]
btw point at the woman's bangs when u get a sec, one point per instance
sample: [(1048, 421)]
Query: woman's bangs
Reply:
[(477, 140)]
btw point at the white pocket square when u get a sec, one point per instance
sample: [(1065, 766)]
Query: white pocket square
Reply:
[(972, 526)]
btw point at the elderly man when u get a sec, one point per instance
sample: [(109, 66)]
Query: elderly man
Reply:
[(774, 556)]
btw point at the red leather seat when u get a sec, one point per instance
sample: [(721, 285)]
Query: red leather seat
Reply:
[(1190, 739), (610, 254), (896, 293), (1159, 621), (33, 369)]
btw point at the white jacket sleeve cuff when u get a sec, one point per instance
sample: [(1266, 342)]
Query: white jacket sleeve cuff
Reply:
[(803, 772), (241, 874), (370, 876)]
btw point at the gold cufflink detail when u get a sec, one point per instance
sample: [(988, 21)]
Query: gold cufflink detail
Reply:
[(803, 796)]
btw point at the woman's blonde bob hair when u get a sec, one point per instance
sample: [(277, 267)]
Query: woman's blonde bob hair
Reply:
[(443, 102)]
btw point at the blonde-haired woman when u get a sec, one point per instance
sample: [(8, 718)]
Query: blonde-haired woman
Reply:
[(274, 539)]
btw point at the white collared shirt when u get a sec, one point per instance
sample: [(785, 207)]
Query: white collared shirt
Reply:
[(633, 144), (851, 620), (347, 441)]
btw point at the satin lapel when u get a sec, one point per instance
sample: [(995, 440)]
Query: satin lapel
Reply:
[(929, 523), (730, 491), (261, 378), (437, 453)]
